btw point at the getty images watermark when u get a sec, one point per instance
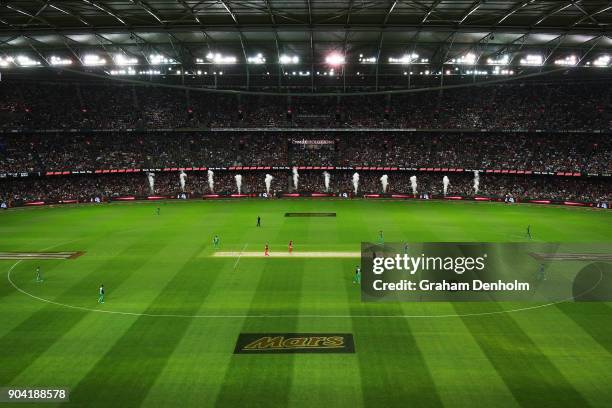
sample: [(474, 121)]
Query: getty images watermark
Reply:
[(532, 272)]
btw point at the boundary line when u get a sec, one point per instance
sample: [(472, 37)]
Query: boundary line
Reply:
[(271, 316)]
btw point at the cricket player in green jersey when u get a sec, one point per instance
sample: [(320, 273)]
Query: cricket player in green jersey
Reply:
[(216, 241), (381, 237), (101, 294), (541, 274), (357, 277), (39, 277)]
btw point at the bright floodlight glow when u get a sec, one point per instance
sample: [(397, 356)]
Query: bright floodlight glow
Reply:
[(335, 59), (122, 60), (127, 71), (257, 59), (499, 71), (149, 72), (93, 60), (467, 59), (218, 58), (5, 62), (568, 61), (289, 59), (404, 59), (533, 60), (503, 60), (366, 60), (602, 61), (477, 72), (54, 60), (158, 59), (25, 61)]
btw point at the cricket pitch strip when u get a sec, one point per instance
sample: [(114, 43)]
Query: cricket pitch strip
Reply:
[(22, 256), (260, 254)]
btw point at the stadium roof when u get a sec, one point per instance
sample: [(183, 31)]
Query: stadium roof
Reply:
[(185, 30)]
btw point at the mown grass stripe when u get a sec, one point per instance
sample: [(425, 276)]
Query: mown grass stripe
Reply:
[(593, 318), (31, 338), (393, 369), (528, 373), (568, 346), (329, 374), (266, 379), (204, 350), (136, 359), (457, 364)]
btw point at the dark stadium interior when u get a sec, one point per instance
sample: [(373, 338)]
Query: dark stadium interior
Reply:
[(417, 88), (301, 203)]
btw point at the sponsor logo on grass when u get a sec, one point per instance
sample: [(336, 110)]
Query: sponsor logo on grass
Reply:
[(258, 343)]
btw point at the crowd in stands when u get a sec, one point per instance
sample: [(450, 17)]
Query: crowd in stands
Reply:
[(544, 152), (108, 105), (87, 187), (148, 127)]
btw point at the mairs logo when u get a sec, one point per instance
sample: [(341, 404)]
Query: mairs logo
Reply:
[(257, 343)]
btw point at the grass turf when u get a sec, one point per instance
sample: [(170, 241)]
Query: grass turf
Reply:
[(160, 265)]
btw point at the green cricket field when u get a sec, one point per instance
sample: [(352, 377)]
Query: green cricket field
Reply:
[(174, 308)]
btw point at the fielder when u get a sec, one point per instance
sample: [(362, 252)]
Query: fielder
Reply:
[(101, 294), (529, 231), (357, 277), (541, 275)]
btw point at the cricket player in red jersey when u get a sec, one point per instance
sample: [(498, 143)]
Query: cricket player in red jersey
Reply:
[(290, 247), (267, 251)]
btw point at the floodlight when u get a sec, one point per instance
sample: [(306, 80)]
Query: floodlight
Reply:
[(158, 59), (257, 59), (218, 58), (335, 59), (532, 59), (568, 61), (289, 59), (54, 60), (602, 61), (467, 59), (25, 61), (404, 59), (93, 60), (503, 60), (122, 60)]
